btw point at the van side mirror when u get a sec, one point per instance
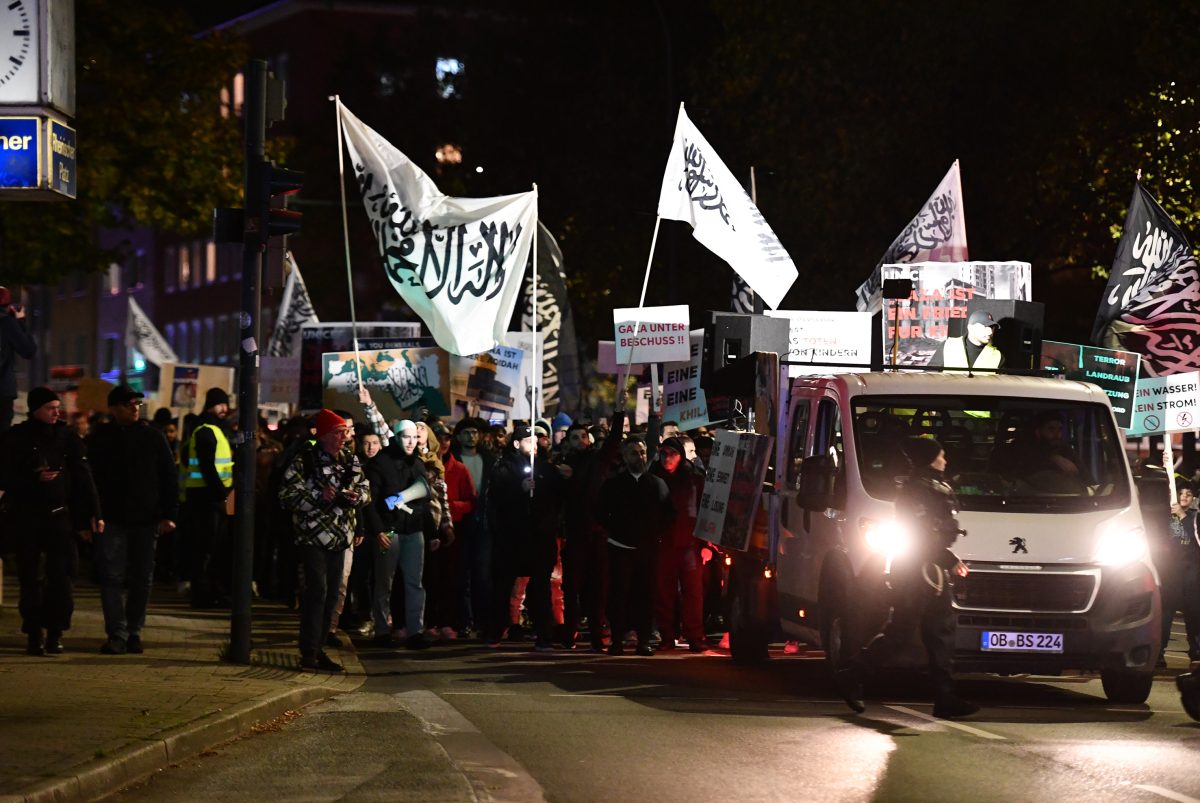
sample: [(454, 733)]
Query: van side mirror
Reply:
[(818, 475)]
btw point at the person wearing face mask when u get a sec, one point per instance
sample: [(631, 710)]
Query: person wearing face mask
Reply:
[(323, 486), (396, 531), (48, 483), (920, 582)]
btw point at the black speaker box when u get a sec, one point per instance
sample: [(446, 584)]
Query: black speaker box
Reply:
[(730, 336), (1018, 333)]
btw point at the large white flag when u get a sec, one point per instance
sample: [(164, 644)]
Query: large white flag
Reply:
[(295, 310), (698, 189), (141, 334), (937, 234), (457, 262)]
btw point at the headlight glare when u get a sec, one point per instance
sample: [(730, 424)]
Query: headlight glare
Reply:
[(1117, 546), (886, 537)]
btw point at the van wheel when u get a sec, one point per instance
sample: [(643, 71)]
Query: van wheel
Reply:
[(749, 631), (1124, 686), (834, 631)]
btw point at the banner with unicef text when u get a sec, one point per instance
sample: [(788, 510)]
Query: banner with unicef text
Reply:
[(830, 339), (937, 308), (457, 262)]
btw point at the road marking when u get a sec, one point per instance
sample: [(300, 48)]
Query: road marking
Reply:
[(492, 773), (592, 694), (949, 723), (1167, 793), (481, 693)]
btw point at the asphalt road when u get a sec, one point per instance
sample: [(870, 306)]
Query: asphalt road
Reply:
[(514, 725)]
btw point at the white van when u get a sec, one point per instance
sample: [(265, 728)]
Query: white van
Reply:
[(1060, 575)]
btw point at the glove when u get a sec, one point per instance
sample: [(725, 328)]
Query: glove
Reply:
[(394, 501)]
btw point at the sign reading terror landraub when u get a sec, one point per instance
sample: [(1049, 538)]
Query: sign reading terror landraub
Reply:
[(661, 337), (1114, 372), (1166, 404)]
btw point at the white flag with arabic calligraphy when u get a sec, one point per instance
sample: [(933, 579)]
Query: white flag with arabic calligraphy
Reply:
[(457, 262), (937, 234), (698, 189), (141, 334), (295, 310)]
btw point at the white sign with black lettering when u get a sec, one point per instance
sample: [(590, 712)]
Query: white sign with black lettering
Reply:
[(832, 340), (684, 401), (1166, 404)]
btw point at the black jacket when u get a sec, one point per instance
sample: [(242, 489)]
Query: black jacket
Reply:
[(14, 342), (926, 504), (389, 475), (524, 528), (32, 444), (135, 473), (635, 511)]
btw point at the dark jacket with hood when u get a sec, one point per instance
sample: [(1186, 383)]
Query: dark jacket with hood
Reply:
[(135, 473), (32, 444), (390, 472)]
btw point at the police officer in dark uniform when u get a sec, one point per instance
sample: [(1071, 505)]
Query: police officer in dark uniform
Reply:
[(920, 584)]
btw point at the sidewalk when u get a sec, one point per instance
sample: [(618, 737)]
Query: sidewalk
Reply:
[(82, 724)]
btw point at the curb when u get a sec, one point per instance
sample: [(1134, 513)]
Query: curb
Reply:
[(105, 776)]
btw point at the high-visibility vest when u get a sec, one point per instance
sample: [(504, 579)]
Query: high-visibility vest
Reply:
[(223, 460), (954, 355)]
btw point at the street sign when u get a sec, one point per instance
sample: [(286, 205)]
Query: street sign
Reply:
[(1166, 404), (20, 153), (37, 159), (1114, 372), (61, 150)]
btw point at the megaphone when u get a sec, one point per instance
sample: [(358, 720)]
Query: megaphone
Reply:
[(418, 490)]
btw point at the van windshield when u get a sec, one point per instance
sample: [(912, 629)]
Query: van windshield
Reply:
[(1031, 455)]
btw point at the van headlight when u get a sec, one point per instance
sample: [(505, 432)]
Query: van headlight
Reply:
[(886, 537), (1117, 546)]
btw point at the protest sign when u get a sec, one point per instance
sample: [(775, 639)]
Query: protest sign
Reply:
[(183, 387), (684, 399), (324, 338), (279, 380), (661, 337), (486, 383), (836, 339), (1114, 372), (606, 360), (1166, 404), (399, 380), (732, 488), (526, 341), (937, 307)]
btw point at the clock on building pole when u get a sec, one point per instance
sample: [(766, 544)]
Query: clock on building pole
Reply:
[(20, 52)]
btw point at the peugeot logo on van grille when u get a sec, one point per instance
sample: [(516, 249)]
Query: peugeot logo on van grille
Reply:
[(1018, 545)]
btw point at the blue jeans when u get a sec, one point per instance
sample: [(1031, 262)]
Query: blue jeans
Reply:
[(408, 551), (322, 580), (125, 557)]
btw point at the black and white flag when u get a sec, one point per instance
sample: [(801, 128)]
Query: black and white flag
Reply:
[(142, 335), (1152, 303), (560, 350), (457, 262), (295, 310), (937, 234)]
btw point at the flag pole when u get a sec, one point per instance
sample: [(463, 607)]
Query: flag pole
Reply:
[(536, 395), (337, 104), (637, 326)]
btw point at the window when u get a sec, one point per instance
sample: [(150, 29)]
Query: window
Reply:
[(170, 269), (181, 348), (112, 279), (81, 350), (222, 339), (239, 93), (195, 341), (169, 334), (185, 267), (449, 74), (209, 350), (799, 443), (135, 269), (110, 354), (197, 254), (210, 262)]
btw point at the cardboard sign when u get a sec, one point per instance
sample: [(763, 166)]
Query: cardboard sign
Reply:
[(323, 338), (652, 334), (487, 383), (732, 488), (523, 388), (606, 360), (183, 387), (399, 380), (1114, 372), (840, 338), (279, 380), (684, 400), (1166, 404)]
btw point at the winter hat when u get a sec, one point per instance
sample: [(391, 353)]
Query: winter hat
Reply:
[(123, 394), (672, 443), (922, 451), (406, 425), (542, 428), (562, 421), (214, 397), (40, 396), (326, 421), (521, 433)]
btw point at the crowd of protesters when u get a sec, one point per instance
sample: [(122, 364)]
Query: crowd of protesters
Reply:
[(405, 533)]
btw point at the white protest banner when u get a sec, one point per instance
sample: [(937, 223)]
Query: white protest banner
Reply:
[(526, 341), (662, 336), (295, 310), (698, 189), (1166, 404), (732, 488), (184, 387), (279, 380), (456, 262), (837, 339), (685, 402), (487, 382), (142, 335)]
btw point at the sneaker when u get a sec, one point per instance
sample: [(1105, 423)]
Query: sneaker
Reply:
[(400, 636), (328, 664), (309, 663), (115, 646), (134, 645), (697, 646), (616, 649), (332, 640), (667, 645), (492, 645), (543, 646), (448, 634), (417, 642), (183, 588), (954, 708), (644, 650), (382, 640), (849, 686), (34, 645), (597, 649), (54, 645)]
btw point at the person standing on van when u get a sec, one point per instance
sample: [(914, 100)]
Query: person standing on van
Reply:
[(920, 584), (974, 350)]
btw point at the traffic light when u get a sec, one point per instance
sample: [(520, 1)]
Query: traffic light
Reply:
[(281, 182)]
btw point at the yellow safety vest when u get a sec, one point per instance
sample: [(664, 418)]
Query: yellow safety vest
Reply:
[(223, 461), (954, 355)]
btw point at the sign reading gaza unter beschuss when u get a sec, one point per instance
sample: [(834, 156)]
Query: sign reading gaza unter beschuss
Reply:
[(37, 159)]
